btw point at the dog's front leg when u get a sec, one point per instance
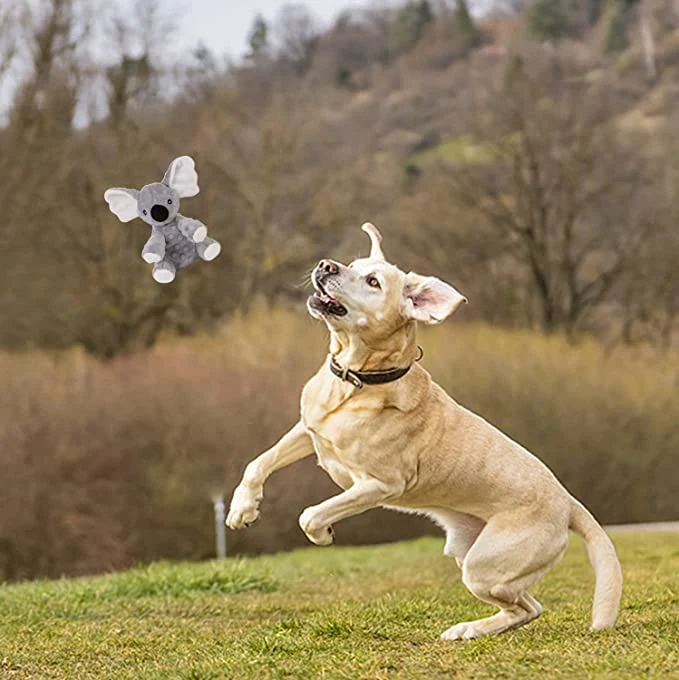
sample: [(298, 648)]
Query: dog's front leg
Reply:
[(316, 521), (292, 446)]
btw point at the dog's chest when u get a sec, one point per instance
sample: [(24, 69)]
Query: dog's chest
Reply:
[(336, 431), (337, 449), (333, 462)]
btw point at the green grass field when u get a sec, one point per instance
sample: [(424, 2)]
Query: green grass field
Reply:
[(372, 612)]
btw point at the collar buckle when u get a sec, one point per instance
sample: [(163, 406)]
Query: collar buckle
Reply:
[(350, 376), (353, 379)]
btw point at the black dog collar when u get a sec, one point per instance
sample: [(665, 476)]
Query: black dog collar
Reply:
[(360, 378)]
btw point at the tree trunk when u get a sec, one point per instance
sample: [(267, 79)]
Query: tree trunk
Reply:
[(648, 44)]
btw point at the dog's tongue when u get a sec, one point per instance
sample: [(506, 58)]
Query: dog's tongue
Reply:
[(328, 298)]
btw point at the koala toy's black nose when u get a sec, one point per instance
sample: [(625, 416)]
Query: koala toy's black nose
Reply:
[(159, 213)]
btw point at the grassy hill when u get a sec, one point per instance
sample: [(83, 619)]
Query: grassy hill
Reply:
[(373, 612)]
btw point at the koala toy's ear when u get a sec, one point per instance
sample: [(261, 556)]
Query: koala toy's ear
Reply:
[(182, 177), (122, 202)]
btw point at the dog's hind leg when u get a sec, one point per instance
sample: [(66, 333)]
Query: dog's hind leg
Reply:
[(508, 557)]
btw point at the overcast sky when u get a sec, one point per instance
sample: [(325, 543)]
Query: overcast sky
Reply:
[(223, 25)]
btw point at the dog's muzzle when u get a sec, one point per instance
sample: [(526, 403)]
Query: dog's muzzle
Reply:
[(321, 301)]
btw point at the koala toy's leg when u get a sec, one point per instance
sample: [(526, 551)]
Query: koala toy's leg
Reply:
[(164, 271), (208, 249), (194, 230)]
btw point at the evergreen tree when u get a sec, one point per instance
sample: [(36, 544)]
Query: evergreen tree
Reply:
[(409, 25), (258, 38), (617, 40), (464, 23), (594, 11), (546, 20)]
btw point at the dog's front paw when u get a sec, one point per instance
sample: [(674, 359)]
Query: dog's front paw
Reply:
[(244, 509), (315, 532)]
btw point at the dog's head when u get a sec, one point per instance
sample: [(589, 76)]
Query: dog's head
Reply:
[(373, 298)]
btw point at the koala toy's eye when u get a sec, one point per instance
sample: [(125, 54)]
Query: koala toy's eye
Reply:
[(373, 282), (169, 201), (144, 212)]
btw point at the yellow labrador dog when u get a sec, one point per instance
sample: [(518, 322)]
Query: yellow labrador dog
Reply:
[(391, 437)]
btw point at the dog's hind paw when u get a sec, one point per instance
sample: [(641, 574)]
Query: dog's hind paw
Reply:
[(461, 631)]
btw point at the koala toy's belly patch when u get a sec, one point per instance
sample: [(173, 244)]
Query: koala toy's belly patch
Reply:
[(178, 248)]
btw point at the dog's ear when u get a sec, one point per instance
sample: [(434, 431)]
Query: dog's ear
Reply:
[(122, 202), (428, 299), (182, 177), (375, 241)]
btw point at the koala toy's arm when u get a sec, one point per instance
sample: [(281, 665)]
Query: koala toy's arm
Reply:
[(154, 250), (194, 230)]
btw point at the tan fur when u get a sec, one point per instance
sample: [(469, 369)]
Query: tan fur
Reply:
[(407, 445)]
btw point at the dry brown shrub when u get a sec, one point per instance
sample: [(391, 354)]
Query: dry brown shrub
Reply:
[(108, 464)]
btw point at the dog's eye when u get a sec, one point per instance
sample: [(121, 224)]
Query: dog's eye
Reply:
[(373, 282), (144, 211), (169, 201)]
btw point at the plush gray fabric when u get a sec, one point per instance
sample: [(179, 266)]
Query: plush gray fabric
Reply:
[(175, 241)]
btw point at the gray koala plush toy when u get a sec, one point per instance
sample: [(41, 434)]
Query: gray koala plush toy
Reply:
[(176, 241)]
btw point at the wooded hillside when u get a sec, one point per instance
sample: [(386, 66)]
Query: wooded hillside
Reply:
[(530, 157)]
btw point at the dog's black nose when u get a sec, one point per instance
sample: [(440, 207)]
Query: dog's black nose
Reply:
[(159, 213), (328, 267)]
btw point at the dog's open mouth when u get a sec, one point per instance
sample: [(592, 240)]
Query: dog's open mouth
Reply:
[(325, 303)]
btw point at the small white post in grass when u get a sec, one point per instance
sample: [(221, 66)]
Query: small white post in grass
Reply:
[(220, 526)]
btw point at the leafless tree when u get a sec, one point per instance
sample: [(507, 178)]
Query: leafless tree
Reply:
[(8, 37), (648, 294), (296, 34), (647, 40), (53, 31), (559, 186), (138, 37)]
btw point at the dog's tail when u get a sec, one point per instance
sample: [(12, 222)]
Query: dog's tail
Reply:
[(607, 571)]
